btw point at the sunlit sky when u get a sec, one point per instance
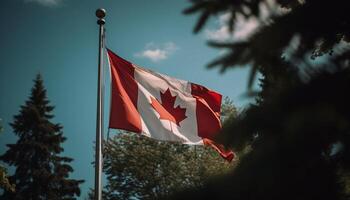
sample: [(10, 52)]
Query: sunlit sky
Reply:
[(59, 39)]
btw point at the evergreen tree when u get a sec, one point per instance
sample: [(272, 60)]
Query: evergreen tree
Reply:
[(41, 173), (4, 182), (299, 130)]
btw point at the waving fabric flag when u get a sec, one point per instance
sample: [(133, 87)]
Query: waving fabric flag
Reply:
[(162, 107)]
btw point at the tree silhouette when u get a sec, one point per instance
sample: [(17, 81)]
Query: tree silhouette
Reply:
[(4, 182), (41, 173), (299, 128)]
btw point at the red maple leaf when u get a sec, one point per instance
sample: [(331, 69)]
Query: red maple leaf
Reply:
[(166, 109)]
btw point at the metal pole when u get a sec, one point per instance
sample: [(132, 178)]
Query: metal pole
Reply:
[(100, 14)]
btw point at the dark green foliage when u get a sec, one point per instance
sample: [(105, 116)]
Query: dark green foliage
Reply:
[(299, 129), (302, 147), (228, 109), (40, 172), (4, 182)]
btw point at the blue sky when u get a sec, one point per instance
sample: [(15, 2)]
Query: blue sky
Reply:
[(59, 39)]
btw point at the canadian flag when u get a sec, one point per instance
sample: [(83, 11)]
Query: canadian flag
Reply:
[(162, 107)]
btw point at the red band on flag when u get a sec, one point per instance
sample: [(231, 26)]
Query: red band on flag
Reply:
[(124, 114), (225, 153), (208, 105)]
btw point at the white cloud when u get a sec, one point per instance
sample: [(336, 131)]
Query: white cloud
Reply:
[(157, 53), (242, 30), (220, 34), (244, 27), (49, 3)]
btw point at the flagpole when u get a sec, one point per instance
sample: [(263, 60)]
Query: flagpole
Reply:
[(100, 14)]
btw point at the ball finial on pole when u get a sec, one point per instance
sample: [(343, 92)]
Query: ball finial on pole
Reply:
[(100, 13)]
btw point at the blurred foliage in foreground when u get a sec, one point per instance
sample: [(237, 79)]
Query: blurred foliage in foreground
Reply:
[(299, 129)]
